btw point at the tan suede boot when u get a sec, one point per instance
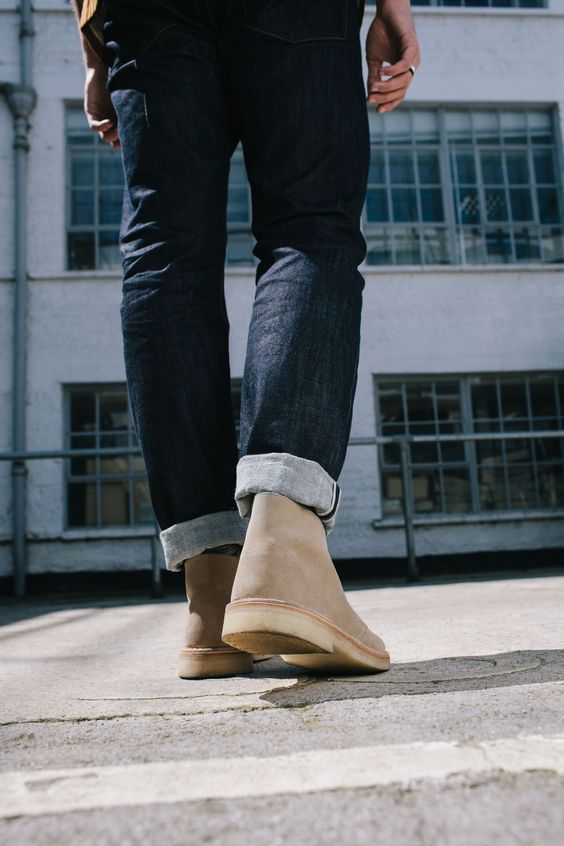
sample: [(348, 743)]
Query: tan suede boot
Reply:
[(209, 580), (288, 599)]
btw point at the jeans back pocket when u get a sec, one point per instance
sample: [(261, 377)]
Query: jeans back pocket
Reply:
[(297, 21)]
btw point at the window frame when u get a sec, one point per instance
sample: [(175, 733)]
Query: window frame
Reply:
[(454, 230), (96, 148), (468, 426), (97, 478)]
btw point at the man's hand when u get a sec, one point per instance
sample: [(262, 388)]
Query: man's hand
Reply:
[(391, 38), (100, 113)]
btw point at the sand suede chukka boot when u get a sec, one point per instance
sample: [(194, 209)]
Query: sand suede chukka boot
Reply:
[(209, 580), (287, 597)]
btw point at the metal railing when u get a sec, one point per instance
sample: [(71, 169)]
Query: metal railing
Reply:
[(405, 442)]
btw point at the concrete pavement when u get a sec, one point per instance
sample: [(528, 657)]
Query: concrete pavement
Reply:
[(462, 742)]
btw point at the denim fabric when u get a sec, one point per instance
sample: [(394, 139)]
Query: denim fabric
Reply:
[(189, 80)]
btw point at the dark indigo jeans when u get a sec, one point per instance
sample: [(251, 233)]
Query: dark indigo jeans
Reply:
[(189, 80)]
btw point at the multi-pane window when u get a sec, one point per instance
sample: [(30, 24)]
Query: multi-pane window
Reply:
[(482, 476), (104, 490), (464, 186), (94, 197)]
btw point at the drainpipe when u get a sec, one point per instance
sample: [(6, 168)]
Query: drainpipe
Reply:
[(21, 99)]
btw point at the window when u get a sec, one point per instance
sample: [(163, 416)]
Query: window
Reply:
[(463, 186), (94, 197), (474, 477), (104, 491), (239, 238)]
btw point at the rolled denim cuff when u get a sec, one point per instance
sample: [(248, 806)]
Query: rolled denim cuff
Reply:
[(184, 540), (301, 479)]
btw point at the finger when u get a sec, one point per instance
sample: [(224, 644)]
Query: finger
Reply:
[(389, 106), (100, 124), (382, 100), (109, 136), (403, 65), (394, 84)]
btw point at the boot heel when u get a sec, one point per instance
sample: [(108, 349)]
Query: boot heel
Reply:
[(213, 663), (273, 626)]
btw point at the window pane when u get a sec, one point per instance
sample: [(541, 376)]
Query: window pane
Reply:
[(491, 487), (551, 486), (401, 167), (428, 165), (492, 168), (457, 491), (114, 503), (81, 505), (114, 412), (521, 206), (83, 465), (110, 205), (143, 510), (397, 127), (552, 242), (377, 205), (496, 207), (111, 170), (82, 207), (465, 167), (431, 204), (517, 168), (514, 127), (425, 126), (521, 487), (81, 250), (458, 124), (379, 248), (435, 246), (238, 205), (407, 247), (82, 412), (377, 171), (548, 205), (404, 202), (108, 250), (486, 127), (467, 205), (544, 165), (543, 398), (82, 170), (484, 401), (498, 245), (527, 244)]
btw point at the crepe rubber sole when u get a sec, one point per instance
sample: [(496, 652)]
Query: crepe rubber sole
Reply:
[(299, 636), (213, 663)]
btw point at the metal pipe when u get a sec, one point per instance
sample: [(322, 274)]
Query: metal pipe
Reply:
[(21, 99), (407, 503)]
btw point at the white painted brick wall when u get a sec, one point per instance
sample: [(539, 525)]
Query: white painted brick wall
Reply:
[(432, 321)]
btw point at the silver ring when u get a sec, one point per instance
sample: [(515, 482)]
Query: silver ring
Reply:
[(412, 68)]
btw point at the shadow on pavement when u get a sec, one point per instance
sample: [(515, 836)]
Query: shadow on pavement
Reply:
[(441, 675)]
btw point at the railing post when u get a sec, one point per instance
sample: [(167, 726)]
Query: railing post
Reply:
[(157, 591), (407, 501)]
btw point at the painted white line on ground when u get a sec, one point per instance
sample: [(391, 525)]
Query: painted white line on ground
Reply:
[(58, 791)]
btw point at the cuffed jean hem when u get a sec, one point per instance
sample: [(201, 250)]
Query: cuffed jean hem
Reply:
[(301, 479), (184, 540)]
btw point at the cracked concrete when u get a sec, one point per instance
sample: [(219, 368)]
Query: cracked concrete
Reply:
[(478, 668)]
